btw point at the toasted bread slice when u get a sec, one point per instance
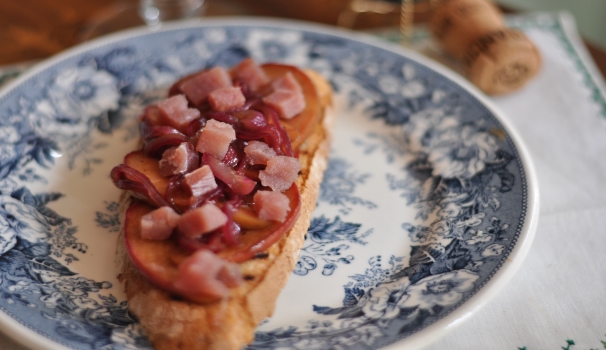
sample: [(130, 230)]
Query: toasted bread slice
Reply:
[(172, 323)]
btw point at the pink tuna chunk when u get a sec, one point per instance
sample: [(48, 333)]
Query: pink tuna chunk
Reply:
[(271, 205), (258, 152), (286, 102), (199, 221), (240, 184), (159, 224), (200, 86), (249, 72), (174, 160), (174, 112), (226, 99), (287, 82), (200, 181), (215, 138), (204, 273), (280, 173)]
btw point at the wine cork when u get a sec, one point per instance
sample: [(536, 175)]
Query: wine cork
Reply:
[(495, 58)]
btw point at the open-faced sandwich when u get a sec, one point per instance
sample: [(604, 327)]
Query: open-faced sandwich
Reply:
[(218, 200)]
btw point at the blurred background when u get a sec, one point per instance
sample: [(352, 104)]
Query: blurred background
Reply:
[(36, 29), (590, 14)]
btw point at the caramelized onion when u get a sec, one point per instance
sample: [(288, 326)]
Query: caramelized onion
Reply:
[(268, 134), (239, 184), (195, 126), (181, 198), (273, 117), (176, 195), (231, 230), (222, 117), (246, 91), (132, 180), (251, 120), (150, 132), (157, 146)]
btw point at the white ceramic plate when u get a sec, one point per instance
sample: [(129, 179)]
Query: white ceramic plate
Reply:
[(428, 206)]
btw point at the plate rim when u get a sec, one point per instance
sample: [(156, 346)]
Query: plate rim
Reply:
[(27, 336)]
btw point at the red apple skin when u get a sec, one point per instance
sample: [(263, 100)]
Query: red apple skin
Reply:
[(305, 122), (158, 261)]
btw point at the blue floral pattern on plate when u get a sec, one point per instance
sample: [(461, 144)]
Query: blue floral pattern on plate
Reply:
[(425, 197)]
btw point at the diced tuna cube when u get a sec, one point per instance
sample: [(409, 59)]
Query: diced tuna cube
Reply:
[(271, 205), (215, 138), (258, 152), (200, 86), (174, 160), (249, 72), (159, 224), (173, 105), (199, 221), (174, 112), (287, 82), (225, 99), (280, 173), (200, 181), (286, 102), (205, 274), (239, 184)]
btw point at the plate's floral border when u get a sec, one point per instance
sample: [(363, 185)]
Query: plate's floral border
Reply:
[(459, 166)]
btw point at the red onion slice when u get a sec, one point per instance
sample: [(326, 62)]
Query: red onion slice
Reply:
[(251, 120), (239, 184), (149, 131), (195, 126), (268, 134), (231, 230), (246, 90), (222, 117), (132, 180), (272, 116), (181, 199), (157, 146)]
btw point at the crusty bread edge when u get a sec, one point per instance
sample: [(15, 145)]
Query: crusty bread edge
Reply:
[(230, 323)]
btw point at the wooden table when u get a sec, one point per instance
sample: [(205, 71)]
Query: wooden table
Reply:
[(36, 29)]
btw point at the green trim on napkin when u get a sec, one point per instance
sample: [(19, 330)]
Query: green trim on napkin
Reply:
[(553, 22), (569, 344)]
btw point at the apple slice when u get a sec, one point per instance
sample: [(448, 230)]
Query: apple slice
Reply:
[(247, 219), (156, 260), (148, 166)]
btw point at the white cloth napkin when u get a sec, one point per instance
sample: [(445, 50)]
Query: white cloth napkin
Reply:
[(557, 299)]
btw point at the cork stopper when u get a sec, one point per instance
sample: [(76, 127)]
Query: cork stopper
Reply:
[(495, 58)]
